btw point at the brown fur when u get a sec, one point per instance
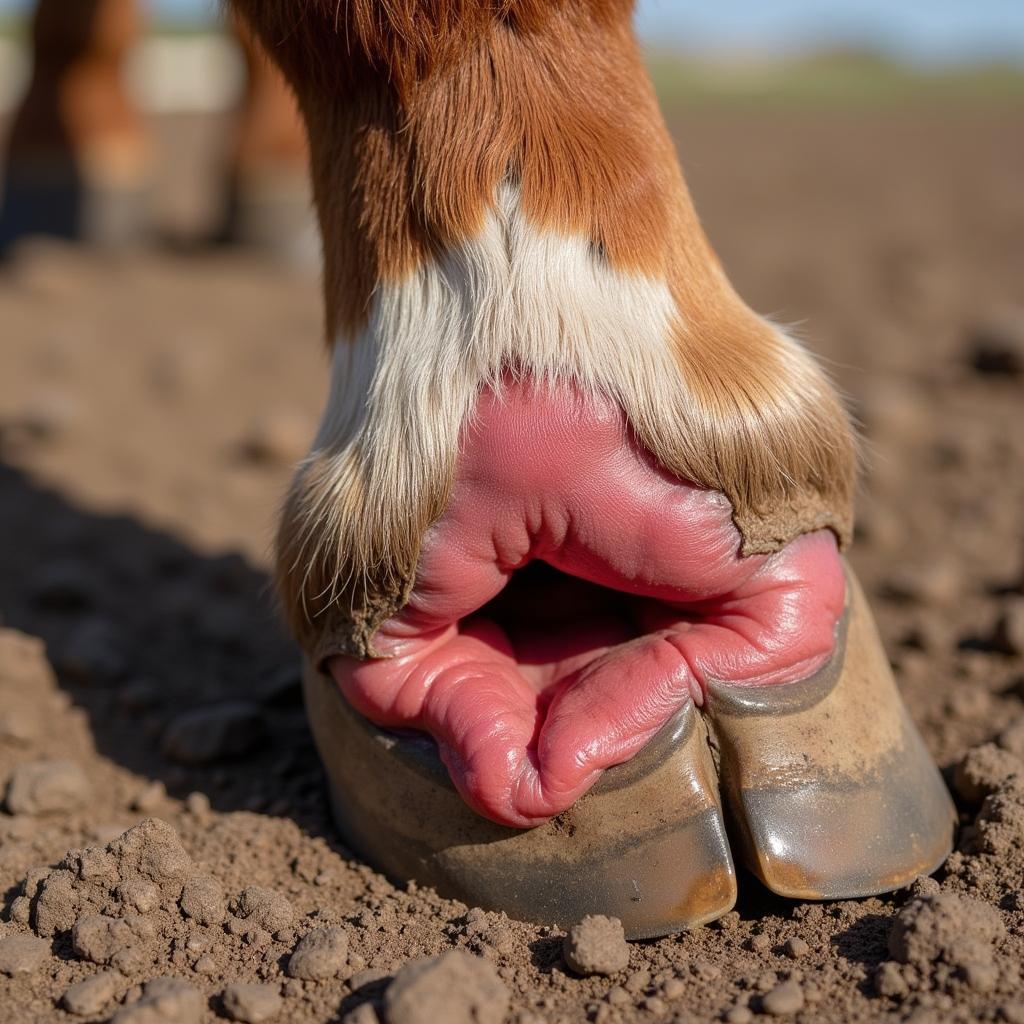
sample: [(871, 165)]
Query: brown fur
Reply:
[(417, 110)]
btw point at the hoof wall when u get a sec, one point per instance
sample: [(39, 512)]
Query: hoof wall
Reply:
[(825, 782)]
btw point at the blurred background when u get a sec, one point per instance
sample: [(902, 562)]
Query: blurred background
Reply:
[(858, 165)]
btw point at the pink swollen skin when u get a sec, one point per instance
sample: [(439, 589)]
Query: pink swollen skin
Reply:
[(529, 706)]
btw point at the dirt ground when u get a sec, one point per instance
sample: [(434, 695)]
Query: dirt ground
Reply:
[(150, 406)]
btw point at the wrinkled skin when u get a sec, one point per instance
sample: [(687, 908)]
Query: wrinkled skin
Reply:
[(532, 694)]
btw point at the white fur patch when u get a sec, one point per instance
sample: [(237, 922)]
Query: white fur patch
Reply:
[(512, 298), (543, 304)]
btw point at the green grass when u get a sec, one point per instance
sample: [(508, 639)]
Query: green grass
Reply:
[(832, 80)]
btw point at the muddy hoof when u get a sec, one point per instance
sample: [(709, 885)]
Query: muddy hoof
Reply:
[(830, 792), (647, 844), (827, 781)]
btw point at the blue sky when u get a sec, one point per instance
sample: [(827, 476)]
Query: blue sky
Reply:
[(927, 30)]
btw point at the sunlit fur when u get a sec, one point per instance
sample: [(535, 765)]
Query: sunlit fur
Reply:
[(498, 193)]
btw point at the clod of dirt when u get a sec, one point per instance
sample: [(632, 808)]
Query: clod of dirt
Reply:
[(99, 938), (146, 863), (945, 929), (253, 1003), (596, 945), (91, 996), (997, 842), (202, 900), (784, 999), (265, 908), (219, 733), (455, 987), (319, 955), (46, 787), (22, 954), (163, 1001), (983, 770)]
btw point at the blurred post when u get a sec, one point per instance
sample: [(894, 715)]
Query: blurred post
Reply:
[(269, 201), (78, 158)]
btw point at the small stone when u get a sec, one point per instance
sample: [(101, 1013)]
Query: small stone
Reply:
[(783, 1000), (22, 954), (252, 1003), (164, 1001), (652, 1004), (637, 981), (889, 981), (149, 798), (618, 996), (759, 943), (319, 955), (222, 732), (674, 988), (206, 964), (265, 908), (795, 947), (46, 787), (139, 893), (739, 1015), (597, 945), (455, 987), (90, 997), (202, 900), (98, 938)]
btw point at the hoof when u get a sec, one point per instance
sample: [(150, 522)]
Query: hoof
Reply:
[(829, 791), (827, 781), (647, 844)]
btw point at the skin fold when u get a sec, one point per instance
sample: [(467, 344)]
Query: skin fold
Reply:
[(531, 696)]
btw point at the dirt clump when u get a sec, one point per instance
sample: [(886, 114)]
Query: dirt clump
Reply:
[(320, 954), (163, 1001), (92, 995), (596, 945), (22, 954), (252, 1003), (455, 987), (46, 787), (944, 935), (983, 770)]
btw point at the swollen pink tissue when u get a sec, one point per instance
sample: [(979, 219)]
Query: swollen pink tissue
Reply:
[(530, 699)]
